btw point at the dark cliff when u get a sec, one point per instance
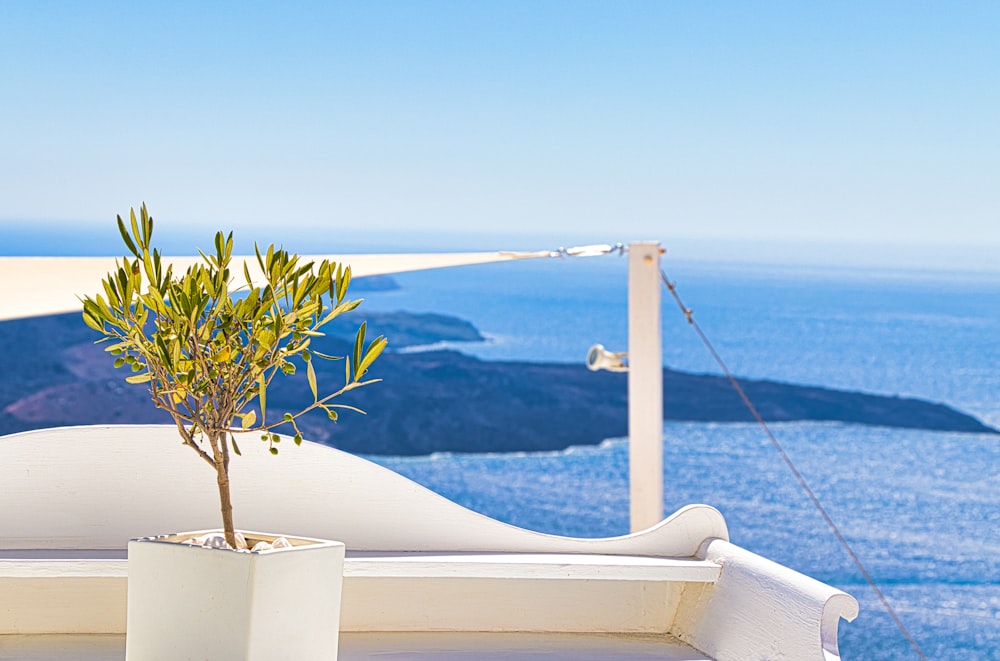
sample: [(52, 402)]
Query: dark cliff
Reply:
[(431, 401)]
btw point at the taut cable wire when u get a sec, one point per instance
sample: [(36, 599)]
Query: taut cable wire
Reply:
[(689, 315)]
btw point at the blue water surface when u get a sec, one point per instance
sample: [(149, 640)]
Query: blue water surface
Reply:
[(921, 509)]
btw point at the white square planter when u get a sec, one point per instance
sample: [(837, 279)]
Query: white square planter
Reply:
[(193, 602)]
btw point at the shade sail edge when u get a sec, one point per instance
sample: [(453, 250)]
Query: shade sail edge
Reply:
[(37, 286)]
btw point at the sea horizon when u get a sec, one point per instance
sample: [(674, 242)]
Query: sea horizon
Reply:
[(864, 258)]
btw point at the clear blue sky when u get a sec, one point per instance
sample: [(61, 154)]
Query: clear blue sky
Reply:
[(724, 122)]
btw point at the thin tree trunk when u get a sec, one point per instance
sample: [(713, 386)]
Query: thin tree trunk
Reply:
[(226, 503)]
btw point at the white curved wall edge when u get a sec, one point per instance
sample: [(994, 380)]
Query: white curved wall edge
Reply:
[(96, 487), (758, 606)]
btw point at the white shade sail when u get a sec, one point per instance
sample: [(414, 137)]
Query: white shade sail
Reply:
[(35, 286)]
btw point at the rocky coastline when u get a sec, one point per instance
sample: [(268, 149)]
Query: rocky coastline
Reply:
[(431, 401)]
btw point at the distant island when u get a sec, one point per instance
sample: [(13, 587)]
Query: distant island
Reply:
[(429, 401), (374, 283)]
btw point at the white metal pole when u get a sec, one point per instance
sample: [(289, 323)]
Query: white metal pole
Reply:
[(645, 385)]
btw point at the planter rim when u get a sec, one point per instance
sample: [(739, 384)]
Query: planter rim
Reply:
[(297, 541)]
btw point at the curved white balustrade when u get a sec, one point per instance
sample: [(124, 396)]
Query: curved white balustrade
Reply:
[(72, 498)]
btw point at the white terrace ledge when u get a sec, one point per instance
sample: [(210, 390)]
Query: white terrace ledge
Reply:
[(453, 646), (417, 564)]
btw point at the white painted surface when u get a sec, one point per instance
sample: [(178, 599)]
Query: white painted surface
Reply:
[(63, 604), (57, 282), (51, 568), (406, 564), (514, 647), (421, 563), (403, 592), (509, 605), (62, 647), (549, 566), (399, 647), (188, 603), (94, 488), (97, 487), (645, 385), (759, 607)]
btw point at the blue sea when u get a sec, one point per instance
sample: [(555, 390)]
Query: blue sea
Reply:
[(921, 509)]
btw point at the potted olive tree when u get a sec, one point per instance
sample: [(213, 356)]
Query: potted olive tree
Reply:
[(208, 349)]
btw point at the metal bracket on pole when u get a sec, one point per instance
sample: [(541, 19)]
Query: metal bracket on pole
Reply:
[(645, 386)]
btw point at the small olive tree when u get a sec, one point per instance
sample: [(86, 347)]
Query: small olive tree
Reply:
[(208, 352)]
